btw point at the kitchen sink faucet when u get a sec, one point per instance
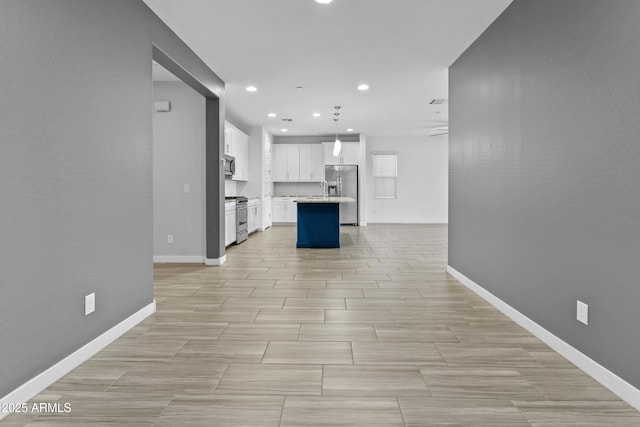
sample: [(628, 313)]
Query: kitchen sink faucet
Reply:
[(324, 185)]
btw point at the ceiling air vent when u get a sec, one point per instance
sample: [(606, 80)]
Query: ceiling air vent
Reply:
[(437, 101), (287, 120)]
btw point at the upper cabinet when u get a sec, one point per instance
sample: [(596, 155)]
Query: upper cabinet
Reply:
[(229, 146), (242, 157), (311, 162), (298, 162), (236, 144), (349, 155), (280, 162)]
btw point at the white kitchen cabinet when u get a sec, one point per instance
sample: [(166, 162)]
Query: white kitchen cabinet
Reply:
[(229, 223), (349, 155), (286, 162), (253, 214), (279, 160), (242, 157), (304, 162), (292, 212), (311, 162), (236, 144), (278, 211), (284, 210), (293, 162), (298, 162), (228, 139)]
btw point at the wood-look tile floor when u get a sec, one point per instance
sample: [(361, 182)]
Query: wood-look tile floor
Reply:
[(372, 334)]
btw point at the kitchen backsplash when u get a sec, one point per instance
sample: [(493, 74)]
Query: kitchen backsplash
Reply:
[(297, 189)]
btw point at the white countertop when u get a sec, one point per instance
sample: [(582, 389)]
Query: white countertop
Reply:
[(319, 199)]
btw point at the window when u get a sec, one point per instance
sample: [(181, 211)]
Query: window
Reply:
[(385, 172)]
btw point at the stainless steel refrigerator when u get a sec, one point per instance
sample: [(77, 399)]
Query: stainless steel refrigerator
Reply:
[(342, 181)]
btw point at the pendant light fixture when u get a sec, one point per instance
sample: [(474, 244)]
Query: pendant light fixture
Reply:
[(337, 146)]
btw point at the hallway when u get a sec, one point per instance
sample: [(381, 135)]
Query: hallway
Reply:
[(374, 333)]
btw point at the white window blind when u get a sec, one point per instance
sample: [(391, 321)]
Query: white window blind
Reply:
[(385, 172)]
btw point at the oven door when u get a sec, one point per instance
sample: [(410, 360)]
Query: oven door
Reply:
[(242, 217)]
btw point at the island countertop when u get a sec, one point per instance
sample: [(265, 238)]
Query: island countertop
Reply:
[(319, 199)]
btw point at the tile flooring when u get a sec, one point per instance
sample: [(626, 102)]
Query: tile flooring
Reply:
[(373, 334)]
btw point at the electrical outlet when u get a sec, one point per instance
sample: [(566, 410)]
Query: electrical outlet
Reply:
[(187, 188), (170, 239), (582, 311), (89, 304)]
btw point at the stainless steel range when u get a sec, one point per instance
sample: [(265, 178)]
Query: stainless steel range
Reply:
[(242, 225)]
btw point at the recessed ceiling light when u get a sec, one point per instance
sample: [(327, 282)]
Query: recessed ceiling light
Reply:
[(316, 114), (284, 130), (324, 1), (272, 115), (349, 130), (363, 87), (252, 89)]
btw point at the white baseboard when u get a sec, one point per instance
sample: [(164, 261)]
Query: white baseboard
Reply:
[(43, 380), (177, 259), (215, 261), (617, 385)]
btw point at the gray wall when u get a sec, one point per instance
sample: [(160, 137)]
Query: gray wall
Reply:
[(75, 173), (544, 173), (178, 159)]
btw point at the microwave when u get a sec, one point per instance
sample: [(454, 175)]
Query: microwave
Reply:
[(229, 165)]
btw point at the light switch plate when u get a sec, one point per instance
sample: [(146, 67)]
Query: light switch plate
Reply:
[(582, 311), (187, 188), (170, 239), (89, 304)]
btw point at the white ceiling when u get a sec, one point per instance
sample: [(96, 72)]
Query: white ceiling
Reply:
[(401, 48)]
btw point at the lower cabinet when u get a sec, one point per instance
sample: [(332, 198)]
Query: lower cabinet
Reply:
[(284, 210), (229, 223), (253, 215)]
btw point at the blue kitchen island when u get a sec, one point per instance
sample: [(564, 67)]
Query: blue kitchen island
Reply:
[(319, 221)]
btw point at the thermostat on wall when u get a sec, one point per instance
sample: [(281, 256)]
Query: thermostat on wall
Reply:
[(162, 106)]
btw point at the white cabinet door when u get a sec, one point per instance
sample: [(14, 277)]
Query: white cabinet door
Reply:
[(329, 158), (251, 221), (228, 137), (350, 153), (284, 211), (286, 162), (279, 162), (311, 162), (292, 212), (317, 163), (279, 213), (305, 162), (253, 209), (293, 162), (229, 226), (242, 156)]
